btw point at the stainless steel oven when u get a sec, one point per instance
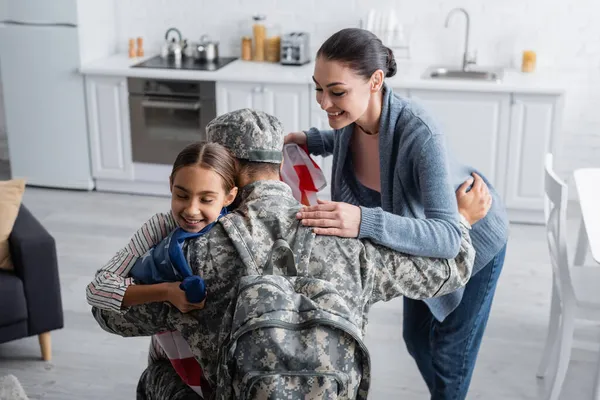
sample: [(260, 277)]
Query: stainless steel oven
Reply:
[(167, 115)]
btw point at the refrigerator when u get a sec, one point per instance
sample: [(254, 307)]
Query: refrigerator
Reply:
[(44, 95)]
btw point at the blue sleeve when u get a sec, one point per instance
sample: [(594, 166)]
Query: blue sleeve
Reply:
[(438, 235), (320, 143), (165, 263)]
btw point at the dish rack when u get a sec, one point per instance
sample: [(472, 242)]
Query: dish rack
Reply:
[(397, 39)]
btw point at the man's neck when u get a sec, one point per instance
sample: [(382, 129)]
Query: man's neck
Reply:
[(246, 180)]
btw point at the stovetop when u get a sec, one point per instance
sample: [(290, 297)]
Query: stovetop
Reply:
[(186, 64)]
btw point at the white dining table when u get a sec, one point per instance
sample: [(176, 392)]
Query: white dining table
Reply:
[(587, 181)]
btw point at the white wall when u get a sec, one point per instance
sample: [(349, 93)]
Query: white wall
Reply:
[(3, 138), (97, 29), (565, 35)]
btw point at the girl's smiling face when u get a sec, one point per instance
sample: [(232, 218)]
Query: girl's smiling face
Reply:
[(197, 197)]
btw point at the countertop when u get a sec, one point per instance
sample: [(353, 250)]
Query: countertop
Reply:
[(409, 76)]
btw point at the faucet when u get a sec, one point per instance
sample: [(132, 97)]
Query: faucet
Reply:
[(466, 59)]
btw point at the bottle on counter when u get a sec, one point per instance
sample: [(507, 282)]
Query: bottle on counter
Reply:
[(140, 47), (273, 44), (259, 30), (529, 61), (131, 48), (246, 48)]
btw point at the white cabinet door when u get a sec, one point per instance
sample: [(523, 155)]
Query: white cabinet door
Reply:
[(289, 103), (534, 123), (476, 127), (233, 96), (109, 130)]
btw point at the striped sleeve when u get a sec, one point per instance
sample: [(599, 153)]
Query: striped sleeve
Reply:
[(107, 289)]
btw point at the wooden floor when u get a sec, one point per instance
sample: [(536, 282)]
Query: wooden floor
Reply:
[(90, 364)]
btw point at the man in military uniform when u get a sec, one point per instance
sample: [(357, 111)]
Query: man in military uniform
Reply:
[(363, 272)]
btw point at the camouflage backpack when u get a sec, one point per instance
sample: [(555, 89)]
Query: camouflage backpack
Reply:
[(288, 336)]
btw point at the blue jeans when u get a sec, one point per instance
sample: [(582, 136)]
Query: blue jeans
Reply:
[(446, 351)]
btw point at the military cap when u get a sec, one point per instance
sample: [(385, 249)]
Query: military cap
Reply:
[(249, 134)]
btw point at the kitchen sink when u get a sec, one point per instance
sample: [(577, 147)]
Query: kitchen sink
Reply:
[(476, 75)]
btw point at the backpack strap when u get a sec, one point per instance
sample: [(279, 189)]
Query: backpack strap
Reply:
[(296, 258), (240, 244), (290, 260)]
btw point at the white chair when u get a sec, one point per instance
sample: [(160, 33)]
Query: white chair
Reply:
[(574, 290)]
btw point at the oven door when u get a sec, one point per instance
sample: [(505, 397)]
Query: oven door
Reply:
[(162, 126)]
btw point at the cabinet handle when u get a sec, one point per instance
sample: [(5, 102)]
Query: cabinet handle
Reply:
[(171, 105)]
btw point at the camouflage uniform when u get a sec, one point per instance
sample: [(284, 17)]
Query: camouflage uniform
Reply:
[(160, 381), (363, 272)]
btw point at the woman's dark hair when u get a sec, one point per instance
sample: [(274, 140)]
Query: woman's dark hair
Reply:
[(210, 156), (361, 50)]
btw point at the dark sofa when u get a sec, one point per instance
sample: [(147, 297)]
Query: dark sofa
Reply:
[(30, 301)]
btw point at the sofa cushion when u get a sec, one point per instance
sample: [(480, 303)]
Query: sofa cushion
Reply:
[(13, 307), (11, 193)]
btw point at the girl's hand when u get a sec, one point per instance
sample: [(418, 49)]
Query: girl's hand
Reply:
[(295, 137), (176, 296), (332, 218), (474, 204)]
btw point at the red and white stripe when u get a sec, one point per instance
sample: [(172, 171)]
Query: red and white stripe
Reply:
[(302, 174), (180, 354)]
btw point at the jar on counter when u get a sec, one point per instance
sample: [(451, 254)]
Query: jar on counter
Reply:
[(259, 31), (246, 48), (529, 61), (273, 44)]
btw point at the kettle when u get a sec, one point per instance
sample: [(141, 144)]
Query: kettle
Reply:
[(173, 48), (208, 51)]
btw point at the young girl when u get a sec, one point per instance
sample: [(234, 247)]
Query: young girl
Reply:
[(202, 184)]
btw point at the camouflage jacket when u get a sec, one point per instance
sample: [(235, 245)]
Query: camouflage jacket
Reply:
[(363, 272)]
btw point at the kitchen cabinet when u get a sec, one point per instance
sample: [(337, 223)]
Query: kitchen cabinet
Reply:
[(235, 96), (288, 102), (108, 126), (476, 128), (503, 135), (535, 120)]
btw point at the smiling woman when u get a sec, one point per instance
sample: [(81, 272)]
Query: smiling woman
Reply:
[(350, 68), (394, 183)]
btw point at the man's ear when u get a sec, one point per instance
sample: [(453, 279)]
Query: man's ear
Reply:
[(230, 197)]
